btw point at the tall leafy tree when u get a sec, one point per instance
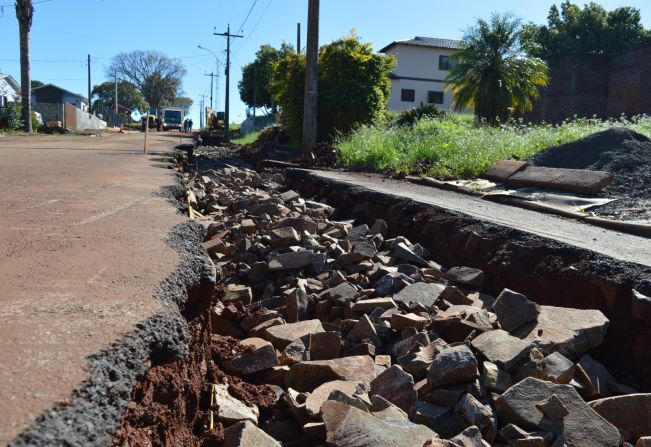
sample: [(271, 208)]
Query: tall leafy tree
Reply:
[(129, 97), (256, 77), (493, 75), (588, 30), (184, 102), (354, 87), (157, 77), (25, 14)]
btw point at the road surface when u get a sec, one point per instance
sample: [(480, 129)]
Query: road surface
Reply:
[(82, 249)]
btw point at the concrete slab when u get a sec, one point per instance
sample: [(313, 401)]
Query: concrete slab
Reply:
[(82, 251), (573, 180)]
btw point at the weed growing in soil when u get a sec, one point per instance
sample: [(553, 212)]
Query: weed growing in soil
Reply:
[(456, 146)]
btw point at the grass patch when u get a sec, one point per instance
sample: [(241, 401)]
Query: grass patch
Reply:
[(456, 146), (246, 139)]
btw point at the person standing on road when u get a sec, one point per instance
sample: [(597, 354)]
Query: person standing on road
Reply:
[(190, 125)]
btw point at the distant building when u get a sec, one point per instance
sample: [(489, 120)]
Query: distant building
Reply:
[(52, 94), (422, 65), (9, 89)]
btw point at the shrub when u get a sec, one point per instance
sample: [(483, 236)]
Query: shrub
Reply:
[(411, 116), (10, 117)]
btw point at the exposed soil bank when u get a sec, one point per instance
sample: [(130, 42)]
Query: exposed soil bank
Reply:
[(552, 273)]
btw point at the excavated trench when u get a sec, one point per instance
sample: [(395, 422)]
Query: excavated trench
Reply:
[(171, 404)]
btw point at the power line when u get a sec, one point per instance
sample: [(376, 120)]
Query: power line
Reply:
[(2, 7), (254, 26), (247, 16)]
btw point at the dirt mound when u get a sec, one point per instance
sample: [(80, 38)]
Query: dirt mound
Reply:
[(322, 155), (625, 153)]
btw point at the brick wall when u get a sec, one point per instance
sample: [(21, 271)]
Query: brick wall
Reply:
[(596, 85)]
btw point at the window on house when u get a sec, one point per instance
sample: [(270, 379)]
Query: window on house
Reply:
[(408, 95), (447, 63), (434, 97)]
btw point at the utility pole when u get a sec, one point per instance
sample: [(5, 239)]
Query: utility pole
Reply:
[(311, 76), (298, 37), (228, 36), (202, 112), (116, 119), (90, 104), (212, 76)]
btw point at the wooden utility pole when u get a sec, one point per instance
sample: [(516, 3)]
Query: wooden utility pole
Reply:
[(311, 77), (202, 111), (212, 77), (228, 36), (117, 116), (146, 131), (90, 104)]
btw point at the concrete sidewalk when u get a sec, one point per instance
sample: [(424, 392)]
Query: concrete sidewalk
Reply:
[(82, 251), (617, 245)]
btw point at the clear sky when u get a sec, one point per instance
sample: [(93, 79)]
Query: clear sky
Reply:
[(65, 31)]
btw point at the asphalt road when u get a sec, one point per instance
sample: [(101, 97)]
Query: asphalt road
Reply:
[(82, 249), (611, 243)]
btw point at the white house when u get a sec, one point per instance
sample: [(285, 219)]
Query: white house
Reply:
[(422, 65), (9, 89)]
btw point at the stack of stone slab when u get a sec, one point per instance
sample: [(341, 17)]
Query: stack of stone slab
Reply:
[(368, 342)]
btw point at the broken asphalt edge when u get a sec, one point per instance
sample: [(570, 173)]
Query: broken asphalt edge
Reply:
[(92, 413)]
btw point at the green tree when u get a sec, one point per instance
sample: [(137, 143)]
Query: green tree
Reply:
[(591, 29), (25, 14), (157, 77), (354, 87), (493, 76), (184, 102), (128, 97), (256, 77)]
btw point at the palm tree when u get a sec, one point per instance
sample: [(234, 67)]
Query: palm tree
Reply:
[(24, 14), (493, 76)]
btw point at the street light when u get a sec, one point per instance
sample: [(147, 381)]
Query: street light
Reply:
[(216, 68)]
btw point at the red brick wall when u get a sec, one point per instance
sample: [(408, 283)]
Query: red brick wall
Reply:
[(596, 85)]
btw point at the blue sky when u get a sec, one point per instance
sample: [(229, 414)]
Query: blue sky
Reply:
[(65, 31)]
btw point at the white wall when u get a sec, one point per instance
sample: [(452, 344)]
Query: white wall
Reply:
[(421, 63), (7, 92)]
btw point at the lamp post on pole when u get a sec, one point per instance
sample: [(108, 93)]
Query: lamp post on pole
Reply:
[(216, 70)]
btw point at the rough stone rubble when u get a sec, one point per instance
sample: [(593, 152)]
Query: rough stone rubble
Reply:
[(362, 340)]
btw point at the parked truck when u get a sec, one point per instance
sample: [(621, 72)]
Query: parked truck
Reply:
[(170, 118)]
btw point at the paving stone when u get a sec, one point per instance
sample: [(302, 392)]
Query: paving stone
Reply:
[(599, 378), (391, 283), (644, 441), (357, 233), (495, 379), (349, 427), (238, 292), (555, 368), (369, 305), (553, 408), (316, 398), (291, 261), (299, 305), (441, 419), (477, 414), (470, 437), (342, 293), (402, 321), (383, 409), (325, 345), (631, 413), (231, 409), (514, 309), (424, 293), (284, 237), (501, 348), (248, 226), (453, 365), (571, 332), (262, 357), (379, 227), (364, 248), (396, 386), (247, 434), (511, 432), (352, 400), (581, 427), (403, 252), (364, 330), (289, 196), (296, 351), (282, 335), (307, 376), (467, 276), (416, 363)]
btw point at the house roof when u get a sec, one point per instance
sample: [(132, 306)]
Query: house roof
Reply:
[(62, 89), (10, 80), (420, 41)]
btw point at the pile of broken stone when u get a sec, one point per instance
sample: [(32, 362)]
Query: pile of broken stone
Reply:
[(367, 342)]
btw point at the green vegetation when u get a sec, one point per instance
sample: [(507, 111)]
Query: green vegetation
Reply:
[(573, 30), (246, 139), (492, 76), (354, 87), (256, 77), (456, 146)]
